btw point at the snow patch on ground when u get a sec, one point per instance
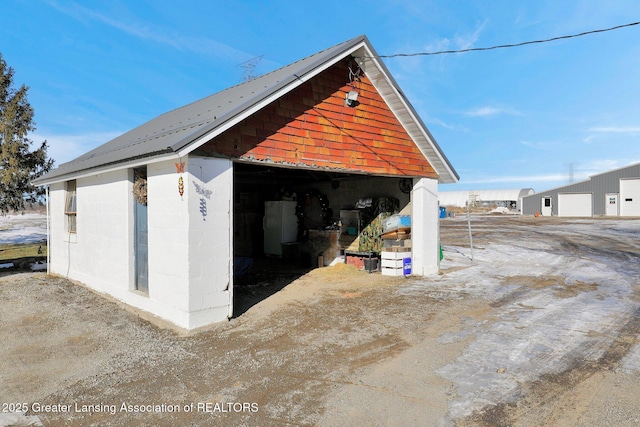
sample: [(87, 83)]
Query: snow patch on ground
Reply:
[(531, 337), (23, 229), (504, 210)]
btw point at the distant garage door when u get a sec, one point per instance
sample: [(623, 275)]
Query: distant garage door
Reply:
[(630, 197), (576, 204)]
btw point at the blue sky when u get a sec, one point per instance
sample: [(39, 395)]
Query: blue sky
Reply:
[(508, 118)]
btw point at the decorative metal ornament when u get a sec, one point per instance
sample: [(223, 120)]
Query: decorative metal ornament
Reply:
[(180, 186), (180, 169)]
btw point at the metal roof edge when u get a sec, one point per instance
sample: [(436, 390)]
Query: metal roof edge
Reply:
[(616, 169), (110, 167)]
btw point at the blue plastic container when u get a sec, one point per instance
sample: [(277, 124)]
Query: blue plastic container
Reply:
[(443, 212), (406, 266)]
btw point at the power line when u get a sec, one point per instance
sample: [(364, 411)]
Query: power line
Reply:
[(503, 46)]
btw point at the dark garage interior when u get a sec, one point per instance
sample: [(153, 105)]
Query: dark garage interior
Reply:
[(332, 213)]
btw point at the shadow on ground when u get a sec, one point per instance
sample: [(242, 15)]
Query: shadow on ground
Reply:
[(265, 277)]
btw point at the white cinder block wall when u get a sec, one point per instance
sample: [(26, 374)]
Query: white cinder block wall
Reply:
[(190, 247), (425, 231), (98, 254), (168, 244), (210, 190)]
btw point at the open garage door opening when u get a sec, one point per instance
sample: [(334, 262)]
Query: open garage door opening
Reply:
[(289, 221)]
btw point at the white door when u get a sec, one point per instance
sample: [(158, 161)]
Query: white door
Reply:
[(280, 225), (272, 225), (546, 208), (575, 204), (611, 204), (630, 197)]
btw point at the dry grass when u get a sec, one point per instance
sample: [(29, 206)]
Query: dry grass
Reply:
[(11, 252)]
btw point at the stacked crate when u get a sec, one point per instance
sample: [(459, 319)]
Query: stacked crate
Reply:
[(396, 253), (396, 261)]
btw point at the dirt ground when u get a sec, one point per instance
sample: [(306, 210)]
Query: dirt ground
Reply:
[(538, 326)]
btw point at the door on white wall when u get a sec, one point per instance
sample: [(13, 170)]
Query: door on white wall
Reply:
[(575, 204), (546, 207), (611, 204), (280, 225), (141, 244), (630, 197)]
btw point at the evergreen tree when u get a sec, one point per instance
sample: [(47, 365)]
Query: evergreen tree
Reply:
[(18, 164)]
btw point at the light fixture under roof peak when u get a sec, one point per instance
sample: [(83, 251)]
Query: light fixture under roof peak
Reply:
[(351, 100)]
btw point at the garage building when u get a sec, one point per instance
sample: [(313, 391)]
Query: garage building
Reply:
[(163, 216), (613, 193)]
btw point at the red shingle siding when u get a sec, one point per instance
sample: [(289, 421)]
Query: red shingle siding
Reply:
[(311, 127)]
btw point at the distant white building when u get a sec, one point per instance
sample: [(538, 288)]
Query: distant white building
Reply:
[(511, 198)]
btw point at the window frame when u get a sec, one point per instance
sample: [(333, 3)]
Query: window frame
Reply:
[(71, 206)]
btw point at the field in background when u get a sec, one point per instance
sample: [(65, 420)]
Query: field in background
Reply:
[(23, 239)]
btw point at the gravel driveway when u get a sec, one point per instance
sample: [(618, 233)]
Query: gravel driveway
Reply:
[(539, 328)]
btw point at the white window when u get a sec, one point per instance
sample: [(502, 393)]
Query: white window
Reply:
[(70, 206)]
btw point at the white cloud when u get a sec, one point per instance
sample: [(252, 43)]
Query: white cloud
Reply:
[(440, 45), (581, 172), (536, 145), (605, 133), (595, 167), (483, 112), (468, 41), (490, 111), (143, 30), (458, 43), (63, 148), (616, 129), (438, 122), (516, 178)]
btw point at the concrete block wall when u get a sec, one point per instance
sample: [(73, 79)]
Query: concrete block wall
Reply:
[(190, 255), (190, 248), (210, 189), (99, 253), (168, 241)]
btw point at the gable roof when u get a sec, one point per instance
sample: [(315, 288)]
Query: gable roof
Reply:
[(180, 131)]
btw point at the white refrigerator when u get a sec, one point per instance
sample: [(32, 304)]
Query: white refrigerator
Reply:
[(280, 225)]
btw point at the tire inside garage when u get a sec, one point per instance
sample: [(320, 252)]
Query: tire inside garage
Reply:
[(575, 204)]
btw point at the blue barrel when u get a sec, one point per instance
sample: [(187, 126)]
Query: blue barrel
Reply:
[(406, 266), (443, 212)]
